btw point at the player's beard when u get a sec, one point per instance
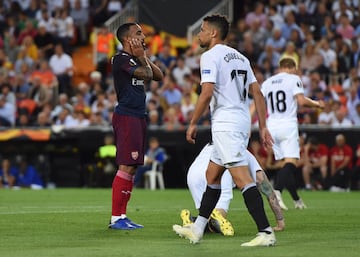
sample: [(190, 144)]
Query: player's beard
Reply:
[(203, 45)]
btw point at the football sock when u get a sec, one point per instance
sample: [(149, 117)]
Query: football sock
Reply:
[(255, 206), (121, 192), (289, 170), (209, 200), (280, 180)]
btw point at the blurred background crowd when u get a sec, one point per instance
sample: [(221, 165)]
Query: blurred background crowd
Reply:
[(39, 41)]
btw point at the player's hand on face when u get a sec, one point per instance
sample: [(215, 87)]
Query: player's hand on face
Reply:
[(137, 47), (191, 134)]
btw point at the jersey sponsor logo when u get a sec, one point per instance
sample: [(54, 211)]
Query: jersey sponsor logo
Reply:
[(137, 82), (233, 56), (135, 155), (299, 84), (132, 62), (206, 71)]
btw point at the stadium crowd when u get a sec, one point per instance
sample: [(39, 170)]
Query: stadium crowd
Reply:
[(38, 38)]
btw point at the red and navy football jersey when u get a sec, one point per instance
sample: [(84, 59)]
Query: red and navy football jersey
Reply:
[(130, 91)]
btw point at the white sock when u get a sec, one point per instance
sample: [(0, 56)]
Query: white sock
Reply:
[(115, 218), (200, 224)]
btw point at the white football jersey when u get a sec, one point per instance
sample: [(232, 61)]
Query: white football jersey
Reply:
[(232, 75), (280, 91)]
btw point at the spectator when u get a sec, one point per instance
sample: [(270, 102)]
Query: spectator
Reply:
[(105, 48), (257, 14), (344, 28), (154, 153), (187, 106), (64, 29), (277, 41), (98, 12), (114, 7), (154, 120), (291, 52), (327, 116), (257, 33), (63, 103), (31, 8), (316, 157), (20, 86), (47, 20), (98, 119), (5, 64), (340, 164), (180, 70), (23, 58), (80, 15), (310, 59), (29, 31), (289, 25), (7, 172), (47, 78), (11, 47), (101, 104), (171, 120), (166, 58), (276, 18), (340, 8), (6, 92), (329, 56), (43, 120), (23, 119), (356, 117), (27, 176), (31, 49), (170, 92), (81, 118), (355, 174), (45, 41), (269, 55), (83, 89), (65, 119), (62, 66), (39, 94), (7, 113), (340, 120), (353, 99)]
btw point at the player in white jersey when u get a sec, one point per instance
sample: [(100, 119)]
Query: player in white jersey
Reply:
[(196, 181), (226, 80), (283, 92)]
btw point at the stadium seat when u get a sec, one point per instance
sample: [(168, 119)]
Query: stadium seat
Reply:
[(154, 175)]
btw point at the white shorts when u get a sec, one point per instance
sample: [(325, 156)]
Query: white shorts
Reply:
[(286, 141), (196, 178), (229, 148)]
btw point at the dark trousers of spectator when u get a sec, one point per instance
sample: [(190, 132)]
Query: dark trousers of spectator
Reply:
[(4, 122), (355, 178), (138, 181), (65, 85), (340, 179)]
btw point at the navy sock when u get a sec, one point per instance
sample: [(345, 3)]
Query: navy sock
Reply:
[(209, 200)]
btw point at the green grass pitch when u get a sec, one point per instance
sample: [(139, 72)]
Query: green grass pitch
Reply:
[(73, 222)]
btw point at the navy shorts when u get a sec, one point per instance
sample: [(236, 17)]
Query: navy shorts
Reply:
[(130, 133)]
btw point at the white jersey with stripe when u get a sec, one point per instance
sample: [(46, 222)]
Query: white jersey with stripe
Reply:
[(232, 75), (280, 93)]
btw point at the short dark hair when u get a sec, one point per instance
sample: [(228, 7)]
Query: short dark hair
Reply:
[(287, 63), (219, 21), (122, 31)]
